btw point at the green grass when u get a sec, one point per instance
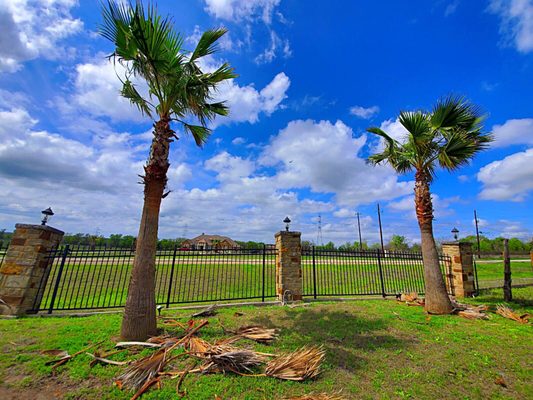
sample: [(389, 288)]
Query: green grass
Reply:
[(374, 350), (493, 271)]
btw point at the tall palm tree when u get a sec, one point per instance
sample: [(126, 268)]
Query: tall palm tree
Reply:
[(448, 137), (149, 49)]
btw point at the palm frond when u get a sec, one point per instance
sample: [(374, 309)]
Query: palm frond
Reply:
[(455, 112), (198, 132), (207, 43), (297, 366), (417, 124), (130, 92)]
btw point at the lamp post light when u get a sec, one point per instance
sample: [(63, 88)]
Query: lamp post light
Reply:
[(47, 214), (287, 221), (455, 232)]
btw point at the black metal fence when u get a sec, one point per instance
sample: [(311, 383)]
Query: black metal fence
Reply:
[(367, 272), (84, 278), (3, 250)]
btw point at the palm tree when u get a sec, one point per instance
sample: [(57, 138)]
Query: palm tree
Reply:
[(149, 49), (448, 137)]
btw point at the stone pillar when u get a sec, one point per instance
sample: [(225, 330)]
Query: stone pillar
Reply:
[(462, 268), (25, 264), (289, 266)]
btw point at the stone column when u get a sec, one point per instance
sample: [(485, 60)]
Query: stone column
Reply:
[(288, 266), (462, 268), (25, 264)]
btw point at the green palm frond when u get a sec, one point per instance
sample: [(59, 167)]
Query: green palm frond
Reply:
[(150, 49), (130, 92), (417, 124), (449, 136), (198, 132), (207, 43)]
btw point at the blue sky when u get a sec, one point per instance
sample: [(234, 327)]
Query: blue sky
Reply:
[(312, 77)]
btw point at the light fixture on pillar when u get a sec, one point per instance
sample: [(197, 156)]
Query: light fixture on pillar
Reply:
[(287, 221), (455, 232), (47, 214)]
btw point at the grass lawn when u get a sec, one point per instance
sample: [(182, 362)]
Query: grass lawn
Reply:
[(375, 349)]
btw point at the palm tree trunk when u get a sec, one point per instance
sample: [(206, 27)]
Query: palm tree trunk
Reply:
[(139, 320), (437, 299)]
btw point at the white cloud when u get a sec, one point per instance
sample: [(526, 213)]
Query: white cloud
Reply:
[(508, 179), (238, 141), (238, 10), (32, 29), (270, 53), (451, 8), (97, 90), (365, 113), (513, 131), (246, 103), (395, 130), (516, 22), (299, 152)]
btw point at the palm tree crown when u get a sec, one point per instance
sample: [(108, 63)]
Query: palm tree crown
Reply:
[(148, 48), (447, 136)]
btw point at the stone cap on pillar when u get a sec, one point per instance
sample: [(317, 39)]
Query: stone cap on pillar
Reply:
[(39, 227), (288, 233), (457, 243)]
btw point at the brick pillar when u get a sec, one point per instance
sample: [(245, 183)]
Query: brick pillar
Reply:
[(25, 264), (462, 268), (288, 265)]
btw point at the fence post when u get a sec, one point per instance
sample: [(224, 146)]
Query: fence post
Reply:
[(314, 273), (288, 266), (263, 274), (462, 267), (59, 273), (24, 265), (381, 275), (507, 293), (171, 274)]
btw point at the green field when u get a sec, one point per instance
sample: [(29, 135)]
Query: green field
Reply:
[(99, 282), (375, 349)]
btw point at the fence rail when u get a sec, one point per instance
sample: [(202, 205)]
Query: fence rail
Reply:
[(84, 278)]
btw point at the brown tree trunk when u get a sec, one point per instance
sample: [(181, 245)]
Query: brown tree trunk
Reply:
[(437, 299), (139, 320)]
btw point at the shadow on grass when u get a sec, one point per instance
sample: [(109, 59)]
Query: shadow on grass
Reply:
[(521, 297), (346, 335)]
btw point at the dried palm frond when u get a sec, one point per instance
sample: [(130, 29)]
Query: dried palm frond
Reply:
[(257, 333), (508, 313), (238, 361), (142, 371), (471, 313), (318, 396), (297, 366), (197, 345), (98, 358), (143, 344), (208, 312)]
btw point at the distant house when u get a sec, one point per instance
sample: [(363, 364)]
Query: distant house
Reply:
[(205, 242)]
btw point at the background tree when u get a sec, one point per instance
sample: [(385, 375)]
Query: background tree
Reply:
[(149, 49), (398, 243), (448, 136)]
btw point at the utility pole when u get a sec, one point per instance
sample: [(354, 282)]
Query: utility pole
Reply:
[(319, 239), (477, 234), (380, 231), (359, 228)]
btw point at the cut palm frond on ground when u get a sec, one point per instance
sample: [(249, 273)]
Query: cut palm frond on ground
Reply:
[(508, 313), (411, 299), (257, 333), (297, 366), (100, 359), (64, 356), (142, 371), (208, 312), (238, 361), (471, 313)]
